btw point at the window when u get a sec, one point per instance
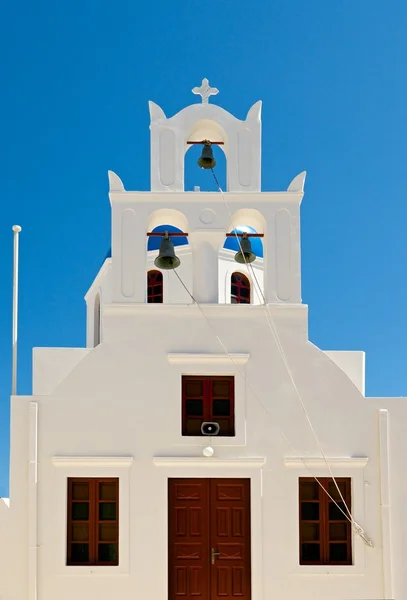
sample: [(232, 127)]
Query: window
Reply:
[(239, 289), (93, 521), (325, 532), (208, 399), (154, 286)]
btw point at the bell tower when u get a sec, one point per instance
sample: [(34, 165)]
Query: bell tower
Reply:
[(240, 141), (204, 219)]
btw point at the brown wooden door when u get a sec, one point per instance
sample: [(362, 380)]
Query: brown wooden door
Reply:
[(209, 539)]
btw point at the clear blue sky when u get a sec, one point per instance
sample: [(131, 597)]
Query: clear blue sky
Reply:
[(76, 78)]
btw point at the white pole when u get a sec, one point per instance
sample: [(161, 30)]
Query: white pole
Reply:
[(16, 229)]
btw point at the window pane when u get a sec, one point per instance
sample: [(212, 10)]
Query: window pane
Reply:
[(310, 532), (194, 407), (335, 513), (80, 553), (310, 511), (108, 532), (334, 492), (221, 388), (194, 388), (338, 552), (80, 491), (80, 511), (244, 292), (309, 490), (107, 511), (80, 532), (221, 408), (310, 552), (338, 531), (107, 553), (193, 427), (226, 427), (107, 491)]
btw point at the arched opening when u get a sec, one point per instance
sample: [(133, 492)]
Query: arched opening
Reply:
[(232, 243), (240, 292), (194, 176), (155, 287), (96, 321), (155, 241)]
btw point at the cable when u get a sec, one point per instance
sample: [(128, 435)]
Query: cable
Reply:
[(277, 340), (243, 375)]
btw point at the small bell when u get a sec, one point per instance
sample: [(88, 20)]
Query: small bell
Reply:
[(206, 160), (166, 258), (245, 254)]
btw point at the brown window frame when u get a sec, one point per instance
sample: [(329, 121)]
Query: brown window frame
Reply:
[(93, 521), (155, 287), (238, 282), (324, 524), (208, 399)]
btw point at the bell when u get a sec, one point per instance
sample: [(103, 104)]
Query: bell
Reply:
[(166, 258), (245, 254), (206, 160)]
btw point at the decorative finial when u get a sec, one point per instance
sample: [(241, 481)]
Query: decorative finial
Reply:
[(205, 91)]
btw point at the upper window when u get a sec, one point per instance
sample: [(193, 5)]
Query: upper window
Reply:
[(208, 399), (154, 286), (240, 289), (325, 532), (93, 521)]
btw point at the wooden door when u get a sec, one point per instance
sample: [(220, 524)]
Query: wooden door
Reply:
[(209, 539)]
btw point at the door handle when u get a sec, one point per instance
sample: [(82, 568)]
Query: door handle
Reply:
[(213, 554)]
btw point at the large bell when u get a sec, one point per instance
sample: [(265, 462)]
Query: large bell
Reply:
[(206, 160), (166, 258), (245, 254)]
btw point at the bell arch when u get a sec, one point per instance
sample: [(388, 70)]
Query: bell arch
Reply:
[(172, 290)]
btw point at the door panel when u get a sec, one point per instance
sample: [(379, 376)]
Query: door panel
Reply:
[(188, 550), (230, 537), (209, 539)]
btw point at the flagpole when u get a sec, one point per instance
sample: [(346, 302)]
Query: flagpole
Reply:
[(16, 229)]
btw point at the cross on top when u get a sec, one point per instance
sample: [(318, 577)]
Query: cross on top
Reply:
[(205, 91)]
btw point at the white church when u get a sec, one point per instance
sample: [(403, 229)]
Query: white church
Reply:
[(201, 447)]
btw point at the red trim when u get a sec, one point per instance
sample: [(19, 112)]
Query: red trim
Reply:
[(155, 287), (240, 291), (245, 234), (324, 503), (169, 233)]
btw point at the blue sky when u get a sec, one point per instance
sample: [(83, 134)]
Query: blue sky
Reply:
[(76, 80)]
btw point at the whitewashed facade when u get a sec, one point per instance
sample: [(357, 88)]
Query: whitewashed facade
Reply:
[(114, 409)]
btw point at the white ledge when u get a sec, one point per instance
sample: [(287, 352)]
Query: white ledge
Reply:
[(201, 461), (205, 359), (92, 461), (347, 462)]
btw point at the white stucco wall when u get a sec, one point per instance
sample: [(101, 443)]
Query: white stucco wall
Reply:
[(120, 406), (114, 410)]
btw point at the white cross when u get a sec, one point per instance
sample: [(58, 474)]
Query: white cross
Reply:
[(205, 91)]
